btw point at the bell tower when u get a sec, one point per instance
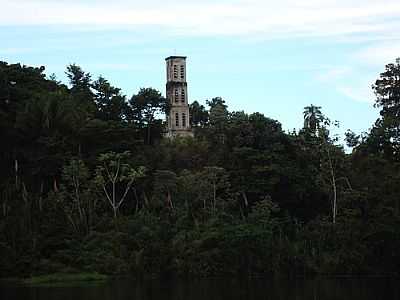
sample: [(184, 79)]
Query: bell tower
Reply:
[(176, 91)]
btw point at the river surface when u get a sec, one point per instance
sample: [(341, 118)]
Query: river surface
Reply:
[(213, 289)]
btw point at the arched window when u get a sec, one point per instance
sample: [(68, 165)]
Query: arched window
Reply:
[(176, 95), (175, 71), (182, 72), (176, 119), (183, 120), (183, 96)]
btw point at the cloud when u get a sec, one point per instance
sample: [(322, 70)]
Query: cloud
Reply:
[(380, 54), (114, 66), (15, 50), (349, 82), (269, 18), (374, 23), (357, 93), (334, 73)]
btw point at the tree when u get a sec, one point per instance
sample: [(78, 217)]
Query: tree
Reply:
[(198, 115), (165, 183), (266, 131), (81, 84), (332, 164), (312, 117), (239, 130), (111, 105), (80, 81), (352, 139), (218, 118), (145, 106), (387, 91), (216, 179), (113, 175), (216, 101), (74, 195)]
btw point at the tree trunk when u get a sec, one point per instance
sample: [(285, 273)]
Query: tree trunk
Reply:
[(169, 200), (334, 200), (16, 173), (149, 131), (214, 196), (333, 182), (136, 200), (114, 204), (146, 200), (55, 186), (41, 196)]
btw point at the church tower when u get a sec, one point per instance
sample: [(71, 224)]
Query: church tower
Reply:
[(178, 118)]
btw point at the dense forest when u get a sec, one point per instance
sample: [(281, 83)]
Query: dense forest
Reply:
[(89, 184)]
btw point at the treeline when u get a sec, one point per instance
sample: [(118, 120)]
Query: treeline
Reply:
[(88, 183)]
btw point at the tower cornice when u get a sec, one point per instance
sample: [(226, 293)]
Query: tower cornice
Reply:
[(174, 57)]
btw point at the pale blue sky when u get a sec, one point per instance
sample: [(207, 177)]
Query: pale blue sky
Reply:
[(274, 57)]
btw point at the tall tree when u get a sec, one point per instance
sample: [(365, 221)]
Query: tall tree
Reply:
[(387, 91), (74, 195), (165, 183), (198, 114), (218, 119), (80, 80), (217, 180), (115, 176), (111, 104), (312, 117), (145, 106), (81, 84)]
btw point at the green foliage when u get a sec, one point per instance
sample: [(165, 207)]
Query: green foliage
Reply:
[(111, 105), (198, 115), (75, 196), (313, 117), (387, 128), (242, 197), (144, 108), (60, 277), (114, 174)]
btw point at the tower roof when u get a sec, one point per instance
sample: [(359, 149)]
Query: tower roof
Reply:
[(173, 57)]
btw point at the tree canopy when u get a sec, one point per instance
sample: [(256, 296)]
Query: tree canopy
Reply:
[(88, 183)]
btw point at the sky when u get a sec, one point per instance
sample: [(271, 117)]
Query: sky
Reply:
[(274, 57)]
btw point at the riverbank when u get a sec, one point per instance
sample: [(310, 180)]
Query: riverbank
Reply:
[(211, 288), (58, 278)]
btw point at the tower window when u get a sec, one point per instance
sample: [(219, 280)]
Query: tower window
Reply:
[(176, 119), (182, 72), (175, 71), (183, 119), (176, 95), (183, 96)]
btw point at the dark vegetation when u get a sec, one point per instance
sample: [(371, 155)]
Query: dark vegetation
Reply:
[(89, 185), (62, 278)]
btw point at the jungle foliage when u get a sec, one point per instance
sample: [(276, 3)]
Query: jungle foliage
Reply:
[(89, 184)]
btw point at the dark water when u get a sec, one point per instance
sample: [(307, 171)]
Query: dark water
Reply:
[(214, 289)]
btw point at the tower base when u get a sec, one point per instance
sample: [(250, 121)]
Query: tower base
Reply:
[(179, 133)]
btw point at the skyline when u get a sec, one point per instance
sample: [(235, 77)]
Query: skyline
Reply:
[(263, 56)]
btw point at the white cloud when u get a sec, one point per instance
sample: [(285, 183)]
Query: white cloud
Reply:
[(349, 82), (376, 22), (334, 73), (380, 54), (240, 17), (113, 66), (15, 50), (357, 93)]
